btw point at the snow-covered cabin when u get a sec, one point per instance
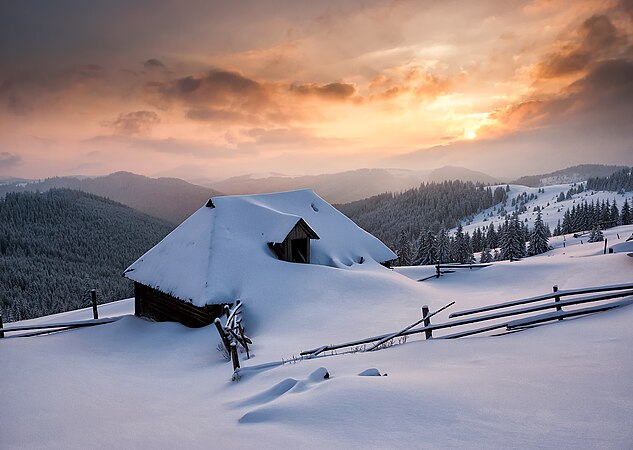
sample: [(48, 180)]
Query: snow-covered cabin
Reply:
[(209, 259)]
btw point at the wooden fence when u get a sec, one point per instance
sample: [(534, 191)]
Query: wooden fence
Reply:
[(441, 269), (232, 335), (502, 311), (62, 326)]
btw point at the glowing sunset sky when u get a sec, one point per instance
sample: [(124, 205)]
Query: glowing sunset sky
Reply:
[(218, 88)]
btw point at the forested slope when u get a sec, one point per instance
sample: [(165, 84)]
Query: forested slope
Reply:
[(56, 246), (431, 206)]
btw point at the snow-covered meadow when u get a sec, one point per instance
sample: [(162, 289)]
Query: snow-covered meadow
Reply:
[(139, 384)]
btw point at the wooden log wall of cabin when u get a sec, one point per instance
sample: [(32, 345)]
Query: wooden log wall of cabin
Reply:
[(162, 307)]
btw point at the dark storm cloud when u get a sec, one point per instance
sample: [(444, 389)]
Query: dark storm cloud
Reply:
[(9, 160), (217, 87), (154, 64), (133, 123), (609, 84), (604, 95), (18, 106), (627, 7), (213, 115), (330, 91), (594, 39)]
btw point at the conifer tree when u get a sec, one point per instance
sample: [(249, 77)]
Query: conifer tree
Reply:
[(427, 249), (404, 250), (443, 246), (486, 256), (492, 240), (596, 235), (512, 241), (625, 215), (538, 237)]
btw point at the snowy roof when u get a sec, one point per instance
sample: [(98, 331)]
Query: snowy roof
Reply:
[(208, 258)]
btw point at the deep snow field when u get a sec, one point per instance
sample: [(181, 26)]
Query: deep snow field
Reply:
[(139, 384)]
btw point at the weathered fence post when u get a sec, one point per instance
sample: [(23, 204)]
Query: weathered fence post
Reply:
[(223, 335), (95, 312), (437, 270), (605, 246), (227, 310), (244, 343), (428, 334), (235, 357), (1, 326), (557, 299)]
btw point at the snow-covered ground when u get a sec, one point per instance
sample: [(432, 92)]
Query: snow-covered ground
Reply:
[(139, 384)]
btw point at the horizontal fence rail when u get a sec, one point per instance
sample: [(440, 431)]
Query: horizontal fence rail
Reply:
[(60, 326)]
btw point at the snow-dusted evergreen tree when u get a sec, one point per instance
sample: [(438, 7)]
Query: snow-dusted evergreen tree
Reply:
[(405, 252), (427, 249), (469, 258), (596, 235), (492, 239), (486, 256), (538, 237), (443, 249), (625, 215), (512, 240), (460, 253)]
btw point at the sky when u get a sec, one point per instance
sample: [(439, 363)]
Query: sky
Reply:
[(210, 89)]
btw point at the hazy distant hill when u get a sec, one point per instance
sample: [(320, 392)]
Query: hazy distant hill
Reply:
[(56, 245), (568, 175), (170, 199), (349, 186), (460, 173)]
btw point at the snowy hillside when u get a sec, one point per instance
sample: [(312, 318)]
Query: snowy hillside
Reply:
[(139, 384), (546, 200)]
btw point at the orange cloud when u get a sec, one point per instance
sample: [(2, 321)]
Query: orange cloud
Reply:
[(413, 81)]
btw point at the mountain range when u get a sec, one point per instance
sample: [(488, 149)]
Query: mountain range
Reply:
[(170, 199), (344, 187)]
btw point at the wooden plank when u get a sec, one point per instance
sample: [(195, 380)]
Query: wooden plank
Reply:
[(424, 319), (223, 336), (77, 324), (236, 309), (475, 331), (557, 315), (93, 297), (538, 298), (465, 266)]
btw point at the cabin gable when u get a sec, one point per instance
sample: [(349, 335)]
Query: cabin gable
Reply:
[(296, 246)]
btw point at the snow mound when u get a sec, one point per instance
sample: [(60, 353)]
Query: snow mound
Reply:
[(373, 372)]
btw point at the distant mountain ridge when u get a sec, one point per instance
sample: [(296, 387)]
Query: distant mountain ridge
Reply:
[(170, 199), (568, 175), (345, 187)]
